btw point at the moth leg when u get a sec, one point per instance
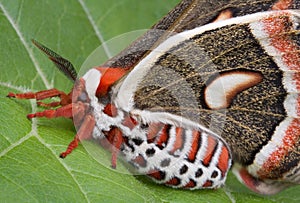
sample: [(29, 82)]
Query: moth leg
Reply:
[(37, 95), (65, 98), (73, 110), (117, 142), (85, 132), (48, 105), (264, 187), (113, 142), (65, 111)]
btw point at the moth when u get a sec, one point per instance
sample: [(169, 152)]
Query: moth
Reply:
[(217, 88)]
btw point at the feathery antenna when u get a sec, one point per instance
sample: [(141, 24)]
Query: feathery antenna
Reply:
[(61, 63)]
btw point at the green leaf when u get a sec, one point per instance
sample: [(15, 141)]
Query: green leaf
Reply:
[(30, 170)]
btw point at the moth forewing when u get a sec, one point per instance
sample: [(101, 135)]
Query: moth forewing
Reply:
[(140, 71), (246, 113)]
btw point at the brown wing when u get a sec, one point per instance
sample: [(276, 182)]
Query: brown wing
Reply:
[(179, 80), (187, 15)]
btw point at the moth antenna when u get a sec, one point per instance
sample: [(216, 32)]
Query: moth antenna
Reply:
[(61, 63)]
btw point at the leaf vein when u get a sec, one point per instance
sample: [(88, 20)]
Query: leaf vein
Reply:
[(26, 46), (108, 180), (96, 28), (21, 187), (66, 167)]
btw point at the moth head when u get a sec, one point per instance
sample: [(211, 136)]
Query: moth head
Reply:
[(97, 83)]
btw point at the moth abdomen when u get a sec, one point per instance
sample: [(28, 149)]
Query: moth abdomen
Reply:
[(180, 157)]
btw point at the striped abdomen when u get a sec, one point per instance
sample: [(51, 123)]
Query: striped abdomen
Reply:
[(179, 157)]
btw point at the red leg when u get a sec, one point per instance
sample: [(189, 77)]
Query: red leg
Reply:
[(67, 111), (65, 98), (116, 145), (113, 143), (48, 105), (73, 144), (37, 95), (84, 133), (64, 111)]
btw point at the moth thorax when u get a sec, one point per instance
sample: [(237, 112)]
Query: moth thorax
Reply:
[(92, 80)]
